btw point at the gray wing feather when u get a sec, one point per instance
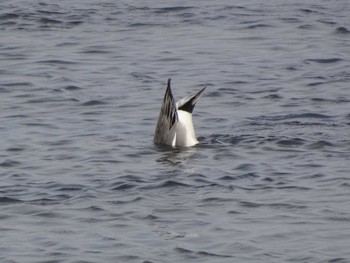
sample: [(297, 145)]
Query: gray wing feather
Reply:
[(167, 117)]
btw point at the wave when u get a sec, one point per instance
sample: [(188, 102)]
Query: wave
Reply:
[(93, 103), (342, 31), (324, 60), (309, 115), (201, 253), (7, 200)]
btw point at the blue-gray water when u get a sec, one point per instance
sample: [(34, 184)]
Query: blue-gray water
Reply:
[(81, 84)]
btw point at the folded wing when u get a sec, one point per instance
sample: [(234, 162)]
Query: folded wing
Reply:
[(167, 118)]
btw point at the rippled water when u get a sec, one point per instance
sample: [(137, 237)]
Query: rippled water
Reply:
[(81, 83)]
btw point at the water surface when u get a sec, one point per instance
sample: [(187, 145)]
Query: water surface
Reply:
[(80, 91)]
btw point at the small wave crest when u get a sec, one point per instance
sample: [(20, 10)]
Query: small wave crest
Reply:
[(324, 60), (309, 115), (342, 31), (7, 200)]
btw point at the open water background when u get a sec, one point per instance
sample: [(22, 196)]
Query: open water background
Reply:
[(81, 84)]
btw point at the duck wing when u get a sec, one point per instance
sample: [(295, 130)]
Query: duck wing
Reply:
[(167, 118)]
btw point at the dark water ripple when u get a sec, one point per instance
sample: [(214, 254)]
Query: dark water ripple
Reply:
[(80, 89)]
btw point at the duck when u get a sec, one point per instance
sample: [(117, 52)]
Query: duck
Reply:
[(175, 125)]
